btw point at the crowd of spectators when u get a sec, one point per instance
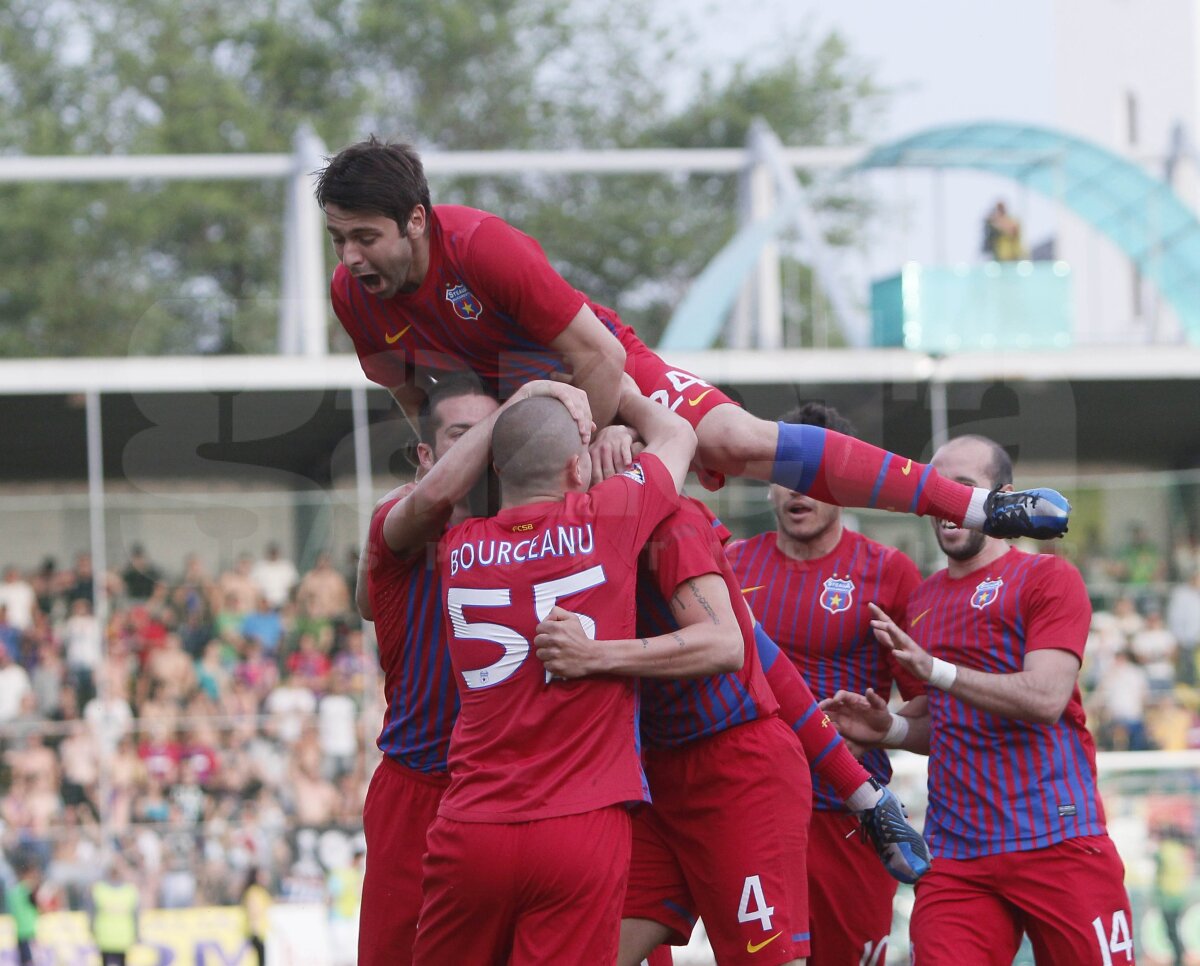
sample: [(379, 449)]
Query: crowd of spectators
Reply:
[(1141, 674), (218, 723)]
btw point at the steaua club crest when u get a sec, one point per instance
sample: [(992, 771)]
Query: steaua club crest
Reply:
[(466, 305), (837, 595), (986, 593)]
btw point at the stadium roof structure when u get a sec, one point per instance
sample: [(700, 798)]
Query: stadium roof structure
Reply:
[(251, 416), (1139, 213)]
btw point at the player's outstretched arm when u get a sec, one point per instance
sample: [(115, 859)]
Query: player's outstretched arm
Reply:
[(362, 598), (422, 515), (667, 436), (597, 361), (1039, 692), (866, 720), (708, 641)]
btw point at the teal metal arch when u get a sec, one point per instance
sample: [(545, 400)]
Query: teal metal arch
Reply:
[(1140, 214)]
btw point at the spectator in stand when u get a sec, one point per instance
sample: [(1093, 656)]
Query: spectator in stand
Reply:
[(310, 665), (1185, 558), (1154, 648), (18, 597), (160, 752), (314, 800), (196, 585), (82, 637), (275, 576), (196, 631), (1141, 562), (79, 755), (80, 582), (228, 618), (1169, 724), (170, 668), (264, 625), (14, 685), (10, 636), (1183, 620), (323, 593), (256, 670), (1127, 618), (20, 900), (141, 577), (236, 590), (109, 714), (352, 668), (212, 676), (1121, 700), (290, 704), (337, 718), (49, 675)]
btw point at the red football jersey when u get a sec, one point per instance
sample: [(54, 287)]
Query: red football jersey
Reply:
[(688, 544), (490, 302), (525, 748), (998, 784)]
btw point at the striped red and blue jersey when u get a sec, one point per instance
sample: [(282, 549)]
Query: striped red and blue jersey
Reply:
[(816, 611), (418, 681), (526, 748), (686, 545), (997, 784), (490, 302)]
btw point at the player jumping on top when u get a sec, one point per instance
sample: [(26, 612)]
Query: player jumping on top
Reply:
[(424, 289)]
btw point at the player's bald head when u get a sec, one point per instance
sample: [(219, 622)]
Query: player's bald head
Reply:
[(533, 441), (978, 458)]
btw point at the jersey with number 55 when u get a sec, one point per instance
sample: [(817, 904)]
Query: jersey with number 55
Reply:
[(526, 748)]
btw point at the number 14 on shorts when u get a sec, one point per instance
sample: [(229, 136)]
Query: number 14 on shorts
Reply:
[(1114, 941)]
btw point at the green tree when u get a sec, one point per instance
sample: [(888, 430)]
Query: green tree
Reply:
[(112, 268)]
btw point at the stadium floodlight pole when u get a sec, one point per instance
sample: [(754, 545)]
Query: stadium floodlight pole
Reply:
[(362, 479), (98, 537)]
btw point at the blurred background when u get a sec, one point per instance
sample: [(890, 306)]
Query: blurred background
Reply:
[(944, 219)]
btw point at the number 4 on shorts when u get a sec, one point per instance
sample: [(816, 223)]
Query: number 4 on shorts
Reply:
[(752, 890), (1118, 941)]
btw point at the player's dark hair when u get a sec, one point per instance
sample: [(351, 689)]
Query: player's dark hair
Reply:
[(1000, 473), (449, 386), (818, 414), (383, 177)]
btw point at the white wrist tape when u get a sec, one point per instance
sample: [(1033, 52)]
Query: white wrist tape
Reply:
[(943, 674), (897, 731)]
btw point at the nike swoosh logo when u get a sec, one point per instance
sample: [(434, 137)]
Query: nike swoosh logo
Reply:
[(913, 622), (907, 468), (696, 401), (752, 948), (746, 590), (393, 339)]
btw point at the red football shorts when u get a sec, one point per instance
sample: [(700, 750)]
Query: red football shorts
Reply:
[(849, 894), (725, 840), (1069, 898), (525, 893), (401, 805), (683, 393)]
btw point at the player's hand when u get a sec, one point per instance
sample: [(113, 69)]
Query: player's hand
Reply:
[(863, 719), (562, 646), (612, 452), (910, 655), (575, 400)]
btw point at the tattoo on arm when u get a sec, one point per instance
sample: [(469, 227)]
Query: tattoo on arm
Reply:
[(678, 640), (712, 616), (645, 643), (677, 602)]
